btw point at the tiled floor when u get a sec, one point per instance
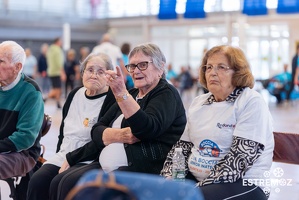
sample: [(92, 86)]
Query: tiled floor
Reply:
[(283, 178)]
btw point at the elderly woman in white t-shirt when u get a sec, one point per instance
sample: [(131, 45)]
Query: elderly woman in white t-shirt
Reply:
[(84, 106), (228, 140)]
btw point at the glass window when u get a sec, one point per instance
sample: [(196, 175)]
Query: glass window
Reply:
[(180, 6), (156, 31), (29, 5), (117, 8), (230, 5), (196, 49), (272, 4)]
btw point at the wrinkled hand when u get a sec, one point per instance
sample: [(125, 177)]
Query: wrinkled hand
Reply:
[(64, 166), (116, 81), (128, 137), (119, 135)]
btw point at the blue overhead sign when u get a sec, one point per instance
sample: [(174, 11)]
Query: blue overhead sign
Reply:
[(195, 9), (255, 7), (287, 6), (167, 9)]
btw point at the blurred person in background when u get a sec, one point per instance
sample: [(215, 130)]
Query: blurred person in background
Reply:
[(295, 71), (172, 76), (280, 84), (83, 53), (30, 65), (125, 49), (55, 61), (42, 69), (106, 46), (72, 70)]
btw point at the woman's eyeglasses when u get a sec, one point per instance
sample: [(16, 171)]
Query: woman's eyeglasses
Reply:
[(141, 66), (91, 71), (217, 68)]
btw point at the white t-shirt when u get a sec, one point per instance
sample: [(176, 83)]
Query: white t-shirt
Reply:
[(82, 115), (211, 129), (111, 50), (114, 155)]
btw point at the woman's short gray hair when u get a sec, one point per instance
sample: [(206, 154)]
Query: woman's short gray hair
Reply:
[(154, 52), (104, 57)]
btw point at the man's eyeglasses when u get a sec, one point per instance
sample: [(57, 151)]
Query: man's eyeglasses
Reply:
[(91, 71), (141, 66), (217, 68)]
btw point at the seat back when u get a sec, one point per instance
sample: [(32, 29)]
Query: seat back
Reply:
[(286, 147), (149, 186), (47, 122)]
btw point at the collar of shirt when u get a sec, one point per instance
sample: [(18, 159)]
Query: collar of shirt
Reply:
[(14, 83), (231, 98)]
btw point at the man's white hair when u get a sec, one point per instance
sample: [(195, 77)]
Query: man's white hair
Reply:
[(17, 52)]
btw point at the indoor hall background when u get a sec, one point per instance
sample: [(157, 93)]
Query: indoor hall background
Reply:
[(267, 40)]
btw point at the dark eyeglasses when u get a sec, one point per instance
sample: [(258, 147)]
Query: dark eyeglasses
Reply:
[(141, 66)]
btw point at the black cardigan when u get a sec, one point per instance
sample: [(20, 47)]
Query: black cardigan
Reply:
[(158, 124)]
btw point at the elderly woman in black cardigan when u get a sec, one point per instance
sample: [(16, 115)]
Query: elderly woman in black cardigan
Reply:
[(138, 131)]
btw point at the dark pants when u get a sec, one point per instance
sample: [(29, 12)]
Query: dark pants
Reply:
[(56, 82), (70, 82), (233, 191), (65, 181), (39, 183), (47, 178), (278, 98)]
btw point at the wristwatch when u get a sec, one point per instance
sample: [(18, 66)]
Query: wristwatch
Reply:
[(120, 98)]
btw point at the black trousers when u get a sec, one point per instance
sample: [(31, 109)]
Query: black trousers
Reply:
[(65, 181), (38, 187), (232, 191), (43, 179)]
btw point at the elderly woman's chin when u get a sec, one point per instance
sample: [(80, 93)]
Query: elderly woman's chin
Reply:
[(213, 87), (139, 84)]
